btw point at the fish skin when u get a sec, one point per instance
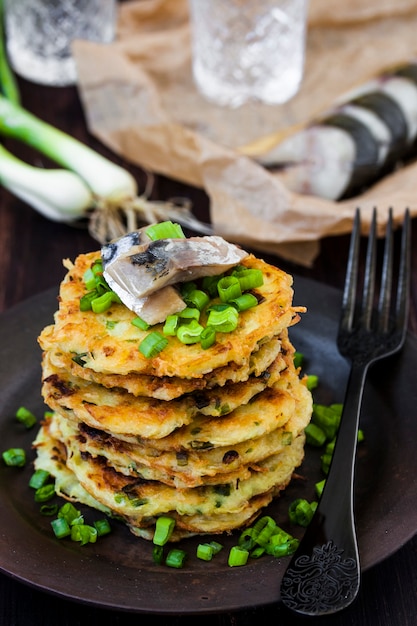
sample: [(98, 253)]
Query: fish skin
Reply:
[(168, 261)]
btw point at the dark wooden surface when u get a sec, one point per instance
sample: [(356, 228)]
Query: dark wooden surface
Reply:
[(31, 250)]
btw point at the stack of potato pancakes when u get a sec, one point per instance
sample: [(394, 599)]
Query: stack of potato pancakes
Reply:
[(207, 436)]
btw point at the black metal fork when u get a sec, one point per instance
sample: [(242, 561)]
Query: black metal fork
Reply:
[(323, 576)]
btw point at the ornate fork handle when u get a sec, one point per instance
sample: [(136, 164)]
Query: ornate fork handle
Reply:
[(324, 574)]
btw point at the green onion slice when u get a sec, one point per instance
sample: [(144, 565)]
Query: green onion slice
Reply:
[(198, 299), (176, 558), (14, 457), (224, 321), (237, 556), (39, 478), (205, 551), (190, 333), (164, 528), (153, 344), (249, 278), (208, 337), (229, 288), (165, 230), (170, 326), (61, 527), (244, 302), (45, 493), (26, 417), (140, 323)]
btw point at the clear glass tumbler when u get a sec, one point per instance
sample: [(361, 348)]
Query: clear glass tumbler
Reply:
[(39, 34), (245, 50)]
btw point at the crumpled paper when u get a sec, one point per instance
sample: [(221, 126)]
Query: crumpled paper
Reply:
[(140, 100)]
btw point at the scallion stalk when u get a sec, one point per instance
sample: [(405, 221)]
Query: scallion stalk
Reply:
[(105, 179), (59, 195)]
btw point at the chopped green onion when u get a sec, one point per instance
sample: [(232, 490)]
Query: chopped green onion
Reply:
[(158, 554), (298, 359), (301, 511), (83, 533), (14, 457), (89, 279), (237, 556), (45, 493), (319, 487), (244, 302), (39, 478), (102, 527), (224, 321), (165, 230), (216, 546), (315, 436), (69, 513), (48, 509), (249, 278), (170, 326), (204, 551), (327, 417), (209, 284), (176, 558), (229, 288), (140, 323), (207, 337), (198, 299), (190, 333), (153, 344), (26, 417), (86, 300), (61, 527), (187, 288), (189, 313), (326, 460), (284, 549), (312, 381), (163, 530), (102, 303)]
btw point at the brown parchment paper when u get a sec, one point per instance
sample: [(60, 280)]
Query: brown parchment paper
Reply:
[(140, 100)]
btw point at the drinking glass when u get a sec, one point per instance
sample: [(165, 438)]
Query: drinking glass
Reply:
[(39, 34), (248, 49)]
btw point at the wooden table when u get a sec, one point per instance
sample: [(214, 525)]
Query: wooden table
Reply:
[(31, 249)]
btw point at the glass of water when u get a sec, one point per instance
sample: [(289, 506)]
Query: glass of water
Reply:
[(39, 34), (246, 50)]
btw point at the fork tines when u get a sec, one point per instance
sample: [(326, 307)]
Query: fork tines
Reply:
[(384, 308)]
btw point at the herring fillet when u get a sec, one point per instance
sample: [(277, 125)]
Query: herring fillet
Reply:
[(168, 261)]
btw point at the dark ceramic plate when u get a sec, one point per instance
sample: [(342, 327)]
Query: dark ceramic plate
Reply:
[(117, 572)]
